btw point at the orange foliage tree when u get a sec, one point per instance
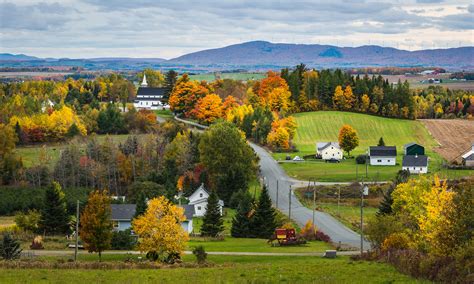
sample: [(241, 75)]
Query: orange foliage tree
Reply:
[(208, 109)]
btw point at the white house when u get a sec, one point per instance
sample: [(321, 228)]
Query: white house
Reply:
[(122, 215), (415, 164), (468, 157), (199, 200), (383, 155), (148, 97), (329, 150)]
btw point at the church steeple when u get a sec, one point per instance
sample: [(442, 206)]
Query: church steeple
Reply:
[(144, 83)]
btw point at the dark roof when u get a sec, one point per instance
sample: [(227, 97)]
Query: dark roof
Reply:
[(188, 211), (323, 145), (415, 161), (123, 211), (383, 151), (411, 144), (149, 91)]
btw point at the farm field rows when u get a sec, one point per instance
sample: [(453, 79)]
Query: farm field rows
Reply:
[(227, 269), (323, 126)]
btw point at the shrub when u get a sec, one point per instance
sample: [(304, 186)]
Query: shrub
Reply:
[(9, 247), (361, 159), (320, 236), (123, 240), (396, 241), (37, 243), (200, 253), (28, 221), (309, 231)]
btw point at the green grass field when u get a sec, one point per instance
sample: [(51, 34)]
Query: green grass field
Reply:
[(243, 76), (164, 113), (227, 269), (30, 154), (323, 126)]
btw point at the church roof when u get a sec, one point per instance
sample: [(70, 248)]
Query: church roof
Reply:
[(149, 91)]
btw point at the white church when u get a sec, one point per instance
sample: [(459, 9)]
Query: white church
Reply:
[(149, 97)]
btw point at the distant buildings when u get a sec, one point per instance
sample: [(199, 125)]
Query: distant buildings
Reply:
[(383, 155), (329, 151), (468, 157), (149, 97)]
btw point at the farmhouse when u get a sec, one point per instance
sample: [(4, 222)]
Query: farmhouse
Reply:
[(383, 155), (329, 151), (199, 200), (468, 157), (122, 215), (415, 164), (148, 97), (412, 149)]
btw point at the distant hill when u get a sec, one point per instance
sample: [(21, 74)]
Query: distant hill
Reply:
[(283, 54), (263, 55), (16, 57)]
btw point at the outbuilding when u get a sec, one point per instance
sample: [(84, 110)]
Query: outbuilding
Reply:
[(329, 151), (383, 155), (412, 149), (468, 157), (415, 164)]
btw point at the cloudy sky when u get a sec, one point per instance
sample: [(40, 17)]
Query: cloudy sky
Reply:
[(162, 28)]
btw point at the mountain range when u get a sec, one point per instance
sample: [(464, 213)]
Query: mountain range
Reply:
[(257, 55)]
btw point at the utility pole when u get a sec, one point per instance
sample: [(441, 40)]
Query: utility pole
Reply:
[(338, 199), (289, 204), (77, 231), (367, 164), (314, 203), (364, 191), (277, 196)]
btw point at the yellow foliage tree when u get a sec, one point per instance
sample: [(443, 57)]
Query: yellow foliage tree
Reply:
[(338, 99), (348, 139), (208, 109), (364, 103), (159, 228), (348, 98), (279, 138)]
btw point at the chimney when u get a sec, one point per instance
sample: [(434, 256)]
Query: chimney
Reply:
[(416, 155)]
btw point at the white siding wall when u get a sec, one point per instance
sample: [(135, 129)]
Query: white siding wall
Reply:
[(416, 170), (383, 161), (331, 153)]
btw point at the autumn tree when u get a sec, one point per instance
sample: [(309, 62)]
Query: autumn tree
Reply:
[(364, 103), (54, 216), (348, 139), (208, 109), (96, 223), (154, 78), (212, 223), (159, 229), (186, 94), (339, 100)]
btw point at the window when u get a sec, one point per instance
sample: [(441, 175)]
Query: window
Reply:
[(200, 194), (379, 161), (421, 169), (333, 154), (199, 208), (388, 161), (116, 224)]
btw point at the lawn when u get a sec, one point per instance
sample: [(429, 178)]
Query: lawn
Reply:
[(6, 221), (30, 154), (254, 245), (164, 113), (227, 269), (324, 126), (227, 217)]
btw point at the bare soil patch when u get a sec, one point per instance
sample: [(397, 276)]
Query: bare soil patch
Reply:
[(455, 136)]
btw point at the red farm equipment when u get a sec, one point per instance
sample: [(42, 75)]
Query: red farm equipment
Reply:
[(286, 237)]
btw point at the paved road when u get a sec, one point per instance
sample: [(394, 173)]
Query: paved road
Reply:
[(272, 172), (82, 252)]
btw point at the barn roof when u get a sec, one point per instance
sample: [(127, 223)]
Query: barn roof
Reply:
[(382, 151), (123, 211), (415, 161)]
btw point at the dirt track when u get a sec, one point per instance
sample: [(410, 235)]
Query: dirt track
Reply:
[(455, 136)]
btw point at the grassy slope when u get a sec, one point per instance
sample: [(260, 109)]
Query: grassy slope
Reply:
[(325, 125), (236, 269), (30, 154)]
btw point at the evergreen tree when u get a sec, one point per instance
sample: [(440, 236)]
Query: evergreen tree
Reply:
[(242, 221), (141, 204), (54, 217), (9, 247), (171, 77), (385, 207), (20, 134), (264, 223), (73, 131), (381, 142), (212, 223)]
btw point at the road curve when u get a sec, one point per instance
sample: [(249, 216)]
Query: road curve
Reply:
[(272, 172)]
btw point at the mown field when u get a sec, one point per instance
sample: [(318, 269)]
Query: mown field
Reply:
[(226, 269), (243, 76), (323, 126)]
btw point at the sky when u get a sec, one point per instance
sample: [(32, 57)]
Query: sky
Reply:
[(170, 28)]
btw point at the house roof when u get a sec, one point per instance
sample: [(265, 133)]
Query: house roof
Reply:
[(201, 187), (323, 145), (415, 161), (188, 211), (469, 156), (123, 211), (149, 91), (382, 151)]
